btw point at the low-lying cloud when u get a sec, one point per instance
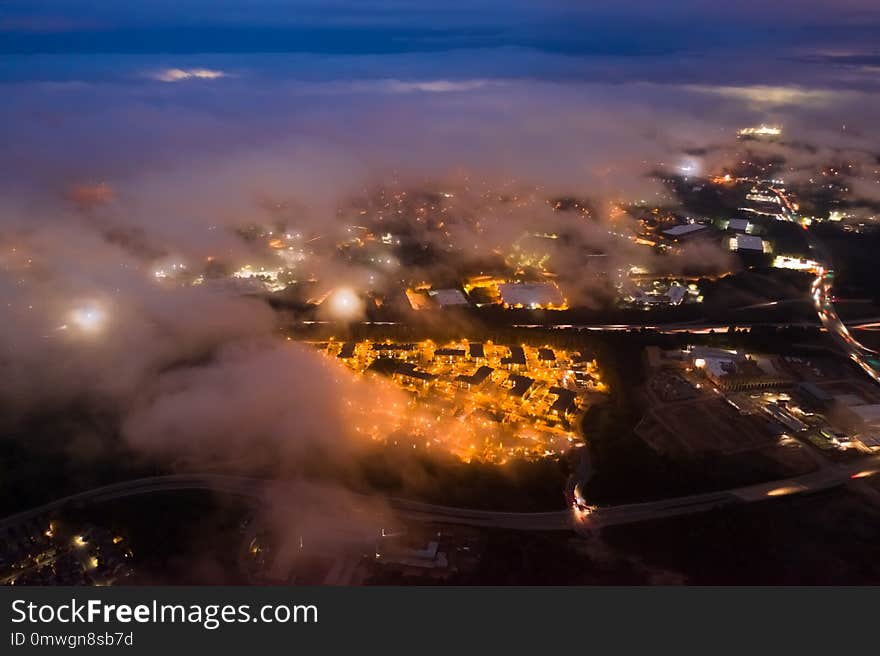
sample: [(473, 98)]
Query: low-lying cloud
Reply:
[(107, 179)]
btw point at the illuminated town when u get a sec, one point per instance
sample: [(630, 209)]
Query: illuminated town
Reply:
[(479, 401)]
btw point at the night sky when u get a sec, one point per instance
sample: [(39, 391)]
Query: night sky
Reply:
[(515, 39), (104, 65), (627, 27)]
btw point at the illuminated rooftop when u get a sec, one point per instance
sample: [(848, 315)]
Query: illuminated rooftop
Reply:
[(531, 295)]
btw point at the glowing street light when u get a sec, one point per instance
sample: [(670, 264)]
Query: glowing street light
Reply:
[(690, 167), (344, 303), (88, 318)]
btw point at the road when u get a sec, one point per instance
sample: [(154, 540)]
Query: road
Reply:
[(820, 292), (864, 357), (259, 490), (824, 478), (698, 326)]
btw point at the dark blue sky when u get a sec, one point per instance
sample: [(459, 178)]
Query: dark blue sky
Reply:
[(628, 27), (103, 89)]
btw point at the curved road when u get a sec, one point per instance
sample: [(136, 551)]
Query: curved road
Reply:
[(259, 489), (863, 356)]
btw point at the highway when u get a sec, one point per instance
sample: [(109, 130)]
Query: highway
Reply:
[(820, 292), (864, 357), (259, 491), (697, 326), (824, 478)]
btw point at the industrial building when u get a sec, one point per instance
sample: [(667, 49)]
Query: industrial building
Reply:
[(532, 295), (448, 297), (736, 371), (684, 231), (432, 299), (659, 294), (749, 244)]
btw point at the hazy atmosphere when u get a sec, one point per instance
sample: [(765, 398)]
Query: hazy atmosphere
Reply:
[(213, 214)]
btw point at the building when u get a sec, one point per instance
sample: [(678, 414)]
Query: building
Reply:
[(546, 355), (419, 300), (855, 414), (684, 231), (448, 297), (391, 350), (869, 440), (565, 404), (435, 298), (531, 295), (521, 386), (749, 244), (736, 371), (415, 376), (868, 414), (796, 263), (739, 225), (814, 396), (761, 131), (405, 371), (517, 357), (476, 379), (673, 294), (449, 354)]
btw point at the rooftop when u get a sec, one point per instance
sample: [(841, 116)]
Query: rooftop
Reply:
[(747, 243), (521, 385), (477, 377), (546, 355), (531, 294), (517, 356), (448, 297), (870, 414), (684, 229)]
